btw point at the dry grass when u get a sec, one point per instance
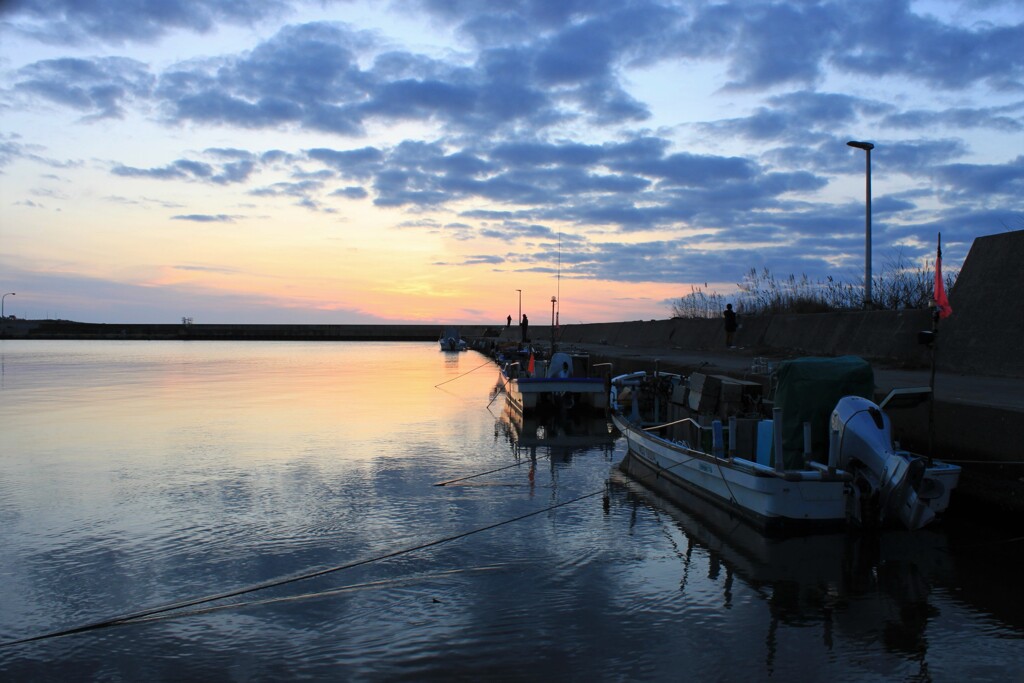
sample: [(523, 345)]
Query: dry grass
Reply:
[(899, 285)]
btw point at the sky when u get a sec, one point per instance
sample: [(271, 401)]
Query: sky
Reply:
[(457, 161)]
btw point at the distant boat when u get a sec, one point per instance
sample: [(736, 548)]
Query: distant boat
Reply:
[(451, 341), (561, 383), (678, 445)]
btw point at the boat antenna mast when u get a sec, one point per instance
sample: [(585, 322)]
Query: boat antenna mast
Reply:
[(558, 280), (556, 300)]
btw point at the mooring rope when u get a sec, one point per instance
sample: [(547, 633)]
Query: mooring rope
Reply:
[(479, 474), (497, 392), (133, 617), (489, 362)]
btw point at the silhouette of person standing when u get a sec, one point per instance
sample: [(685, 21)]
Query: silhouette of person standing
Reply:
[(730, 325), (525, 324), (508, 322)]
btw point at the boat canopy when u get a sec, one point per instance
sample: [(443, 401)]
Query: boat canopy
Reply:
[(808, 390)]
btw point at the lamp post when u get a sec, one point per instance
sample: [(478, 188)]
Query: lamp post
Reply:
[(2, 303), (553, 300), (867, 147), (520, 306)]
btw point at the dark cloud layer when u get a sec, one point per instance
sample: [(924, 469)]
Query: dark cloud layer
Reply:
[(497, 116), (76, 21)]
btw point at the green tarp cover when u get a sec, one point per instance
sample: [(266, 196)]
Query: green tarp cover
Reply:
[(807, 391)]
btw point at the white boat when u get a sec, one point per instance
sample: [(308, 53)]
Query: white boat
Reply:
[(450, 340), (561, 383), (860, 479)]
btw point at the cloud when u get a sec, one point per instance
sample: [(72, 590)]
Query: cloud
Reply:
[(100, 87), (204, 218), (533, 121), (180, 169), (300, 189), (803, 116), (883, 37), (188, 169), (969, 180), (352, 192), (993, 118), (781, 43), (359, 164), (74, 21), (207, 269)]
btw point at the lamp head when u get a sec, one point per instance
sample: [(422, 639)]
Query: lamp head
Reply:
[(861, 145)]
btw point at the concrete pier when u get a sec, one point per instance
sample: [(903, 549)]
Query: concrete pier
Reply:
[(67, 329)]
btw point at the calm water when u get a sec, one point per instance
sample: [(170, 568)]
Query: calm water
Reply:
[(135, 475)]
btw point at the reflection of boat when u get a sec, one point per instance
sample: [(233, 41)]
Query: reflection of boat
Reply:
[(578, 431), (750, 466), (563, 382), (860, 585), (451, 341)]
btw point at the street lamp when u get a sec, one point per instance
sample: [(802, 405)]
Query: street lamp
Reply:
[(520, 306), (2, 303), (867, 147)]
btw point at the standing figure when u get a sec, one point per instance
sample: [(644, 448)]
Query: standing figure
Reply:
[(524, 325), (730, 325), (508, 323)]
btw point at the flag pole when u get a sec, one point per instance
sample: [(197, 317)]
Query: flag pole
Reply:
[(935, 335)]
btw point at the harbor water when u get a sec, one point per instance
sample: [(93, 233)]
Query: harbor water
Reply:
[(262, 511)]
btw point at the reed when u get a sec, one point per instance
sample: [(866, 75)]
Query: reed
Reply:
[(900, 284)]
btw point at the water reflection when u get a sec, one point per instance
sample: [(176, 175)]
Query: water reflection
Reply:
[(561, 434), (135, 474), (865, 587)]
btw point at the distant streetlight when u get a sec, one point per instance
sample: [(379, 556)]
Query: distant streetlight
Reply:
[(553, 300), (520, 306), (2, 302), (867, 147)]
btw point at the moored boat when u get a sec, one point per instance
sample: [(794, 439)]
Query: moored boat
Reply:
[(450, 340), (825, 458), (563, 382)]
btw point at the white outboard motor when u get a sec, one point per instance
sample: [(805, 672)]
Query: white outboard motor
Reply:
[(560, 365), (863, 439)]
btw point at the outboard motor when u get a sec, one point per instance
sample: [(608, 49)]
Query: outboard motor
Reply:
[(864, 447), (560, 365)]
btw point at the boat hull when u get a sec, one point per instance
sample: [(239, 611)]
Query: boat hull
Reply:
[(797, 501), (552, 393)]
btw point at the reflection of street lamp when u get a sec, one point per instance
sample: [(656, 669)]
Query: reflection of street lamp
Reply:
[(520, 306), (2, 302), (867, 147)]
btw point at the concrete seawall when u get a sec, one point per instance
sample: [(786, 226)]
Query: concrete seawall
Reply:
[(883, 336), (66, 329), (984, 336)]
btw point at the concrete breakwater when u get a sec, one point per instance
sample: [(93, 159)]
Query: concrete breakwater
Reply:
[(67, 329)]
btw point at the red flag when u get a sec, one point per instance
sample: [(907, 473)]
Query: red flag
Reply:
[(529, 368), (941, 300)]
